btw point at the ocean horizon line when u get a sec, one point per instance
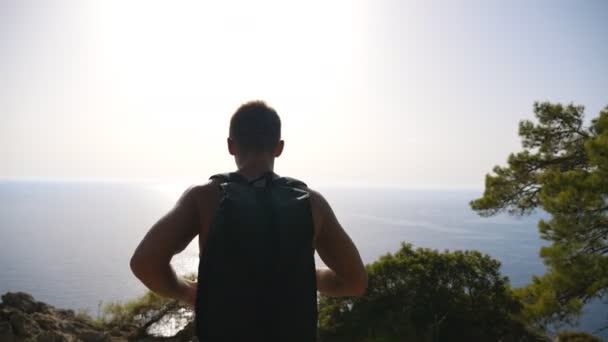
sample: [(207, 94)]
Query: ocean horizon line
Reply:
[(189, 181)]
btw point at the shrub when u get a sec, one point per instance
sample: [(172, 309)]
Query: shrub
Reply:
[(425, 295)]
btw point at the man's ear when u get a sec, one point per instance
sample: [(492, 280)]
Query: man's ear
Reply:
[(279, 149), (232, 149)]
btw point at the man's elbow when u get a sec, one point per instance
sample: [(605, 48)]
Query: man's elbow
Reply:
[(138, 266), (360, 286)]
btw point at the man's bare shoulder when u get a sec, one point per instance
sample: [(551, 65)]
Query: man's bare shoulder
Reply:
[(209, 188), (202, 194), (321, 210), (317, 200)]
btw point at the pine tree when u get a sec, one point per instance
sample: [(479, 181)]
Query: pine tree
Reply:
[(563, 170)]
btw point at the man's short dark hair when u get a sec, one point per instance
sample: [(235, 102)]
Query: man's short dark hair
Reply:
[(255, 127)]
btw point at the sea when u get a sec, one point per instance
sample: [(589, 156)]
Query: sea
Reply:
[(68, 243)]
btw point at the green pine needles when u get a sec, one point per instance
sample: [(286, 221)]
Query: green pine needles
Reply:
[(563, 170)]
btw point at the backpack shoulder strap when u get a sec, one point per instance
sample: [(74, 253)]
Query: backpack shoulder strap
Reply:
[(233, 177), (291, 182), (229, 177), (221, 177)]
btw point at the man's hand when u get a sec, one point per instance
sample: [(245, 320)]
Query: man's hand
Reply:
[(170, 235), (346, 274), (188, 292), (151, 261)]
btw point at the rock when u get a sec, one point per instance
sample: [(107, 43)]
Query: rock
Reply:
[(23, 325), (53, 336), (23, 319), (46, 322), (66, 314), (92, 336), (45, 308), (187, 334), (68, 327), (22, 301), (6, 332)]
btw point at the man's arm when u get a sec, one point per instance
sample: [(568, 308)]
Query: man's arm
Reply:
[(170, 235), (346, 275)]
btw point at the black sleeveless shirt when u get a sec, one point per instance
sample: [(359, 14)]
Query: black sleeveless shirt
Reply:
[(256, 276)]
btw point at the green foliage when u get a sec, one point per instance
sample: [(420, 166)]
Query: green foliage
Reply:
[(562, 169), (85, 316), (143, 310), (576, 336), (425, 295), (135, 310)]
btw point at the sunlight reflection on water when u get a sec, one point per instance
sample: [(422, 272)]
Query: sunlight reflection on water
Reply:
[(81, 257), (171, 323)]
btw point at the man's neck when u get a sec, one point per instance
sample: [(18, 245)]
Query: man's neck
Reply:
[(254, 171)]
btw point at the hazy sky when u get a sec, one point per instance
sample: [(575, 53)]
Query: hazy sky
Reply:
[(370, 92)]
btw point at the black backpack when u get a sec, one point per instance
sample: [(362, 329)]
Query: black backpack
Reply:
[(256, 276)]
